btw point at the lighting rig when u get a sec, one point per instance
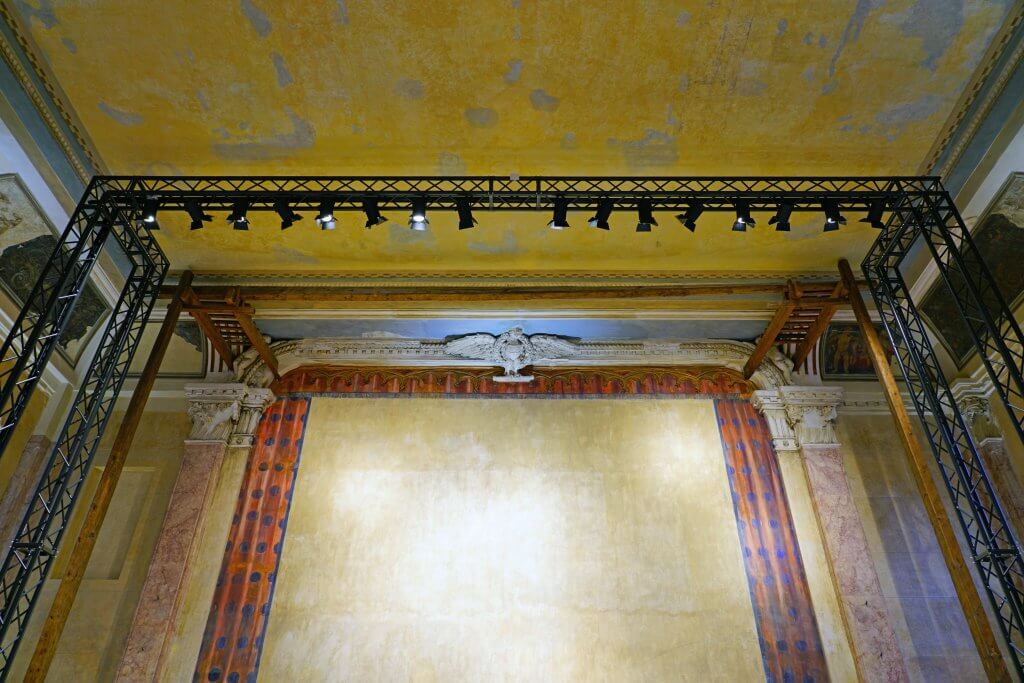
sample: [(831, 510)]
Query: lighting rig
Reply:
[(688, 199)]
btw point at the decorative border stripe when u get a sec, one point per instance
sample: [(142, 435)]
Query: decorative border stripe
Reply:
[(787, 628)]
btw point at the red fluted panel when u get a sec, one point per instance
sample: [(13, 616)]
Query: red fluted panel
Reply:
[(233, 639), (787, 628)]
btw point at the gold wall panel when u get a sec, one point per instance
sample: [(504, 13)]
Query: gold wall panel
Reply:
[(447, 540)]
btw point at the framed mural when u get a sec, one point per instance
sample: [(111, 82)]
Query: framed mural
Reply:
[(186, 353), (27, 238), (999, 236), (843, 353)]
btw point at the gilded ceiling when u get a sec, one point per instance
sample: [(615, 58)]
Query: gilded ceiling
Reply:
[(510, 86)]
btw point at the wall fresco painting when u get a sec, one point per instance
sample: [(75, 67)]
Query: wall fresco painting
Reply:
[(843, 353), (27, 238), (999, 237)]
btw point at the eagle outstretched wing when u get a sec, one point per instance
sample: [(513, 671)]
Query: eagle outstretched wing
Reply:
[(552, 346), (476, 346)]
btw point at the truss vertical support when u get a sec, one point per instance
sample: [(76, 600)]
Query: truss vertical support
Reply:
[(78, 560), (992, 325), (995, 552), (27, 349), (36, 331)]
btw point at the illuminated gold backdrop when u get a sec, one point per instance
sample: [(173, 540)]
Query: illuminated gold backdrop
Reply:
[(511, 540)]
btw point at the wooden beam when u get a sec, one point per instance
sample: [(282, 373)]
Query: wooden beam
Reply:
[(78, 560), (208, 307), (447, 293), (202, 319), (257, 341), (818, 327), (970, 601), (767, 340)]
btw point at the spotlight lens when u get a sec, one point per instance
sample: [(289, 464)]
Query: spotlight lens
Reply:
[(418, 217), (150, 218), (555, 225)]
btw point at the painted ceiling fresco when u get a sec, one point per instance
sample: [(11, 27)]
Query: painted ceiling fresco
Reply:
[(512, 86)]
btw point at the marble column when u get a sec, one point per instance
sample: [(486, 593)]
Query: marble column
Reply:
[(222, 415), (803, 418), (977, 414)]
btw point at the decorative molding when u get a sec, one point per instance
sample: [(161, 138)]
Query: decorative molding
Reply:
[(49, 96), (974, 89), (775, 371), (501, 279)]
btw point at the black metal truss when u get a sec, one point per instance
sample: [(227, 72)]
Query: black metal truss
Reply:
[(28, 348), (918, 208), (933, 219), (491, 193)]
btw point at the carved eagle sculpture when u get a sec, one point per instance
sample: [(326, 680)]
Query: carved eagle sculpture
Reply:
[(512, 350)]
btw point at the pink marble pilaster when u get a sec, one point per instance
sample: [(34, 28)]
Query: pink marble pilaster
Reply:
[(802, 418), (21, 486), (873, 638), (159, 603), (1005, 481), (222, 415)]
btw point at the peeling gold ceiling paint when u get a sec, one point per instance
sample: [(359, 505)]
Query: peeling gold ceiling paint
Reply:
[(500, 86)]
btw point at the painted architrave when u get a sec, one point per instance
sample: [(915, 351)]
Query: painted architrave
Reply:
[(233, 639)]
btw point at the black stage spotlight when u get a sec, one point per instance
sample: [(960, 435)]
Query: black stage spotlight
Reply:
[(559, 217), (743, 219), (833, 219), (874, 216), (466, 219), (600, 219), (689, 217), (781, 218), (418, 218), (195, 212), (149, 209), (325, 216), (238, 215), (645, 219), (373, 216), (288, 217)]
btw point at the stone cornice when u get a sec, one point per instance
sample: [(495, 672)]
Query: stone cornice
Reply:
[(775, 371)]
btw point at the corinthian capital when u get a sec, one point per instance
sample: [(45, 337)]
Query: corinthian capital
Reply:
[(214, 409), (254, 403), (812, 412)]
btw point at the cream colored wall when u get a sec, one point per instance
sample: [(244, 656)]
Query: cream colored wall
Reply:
[(922, 603), (90, 648), (437, 540)]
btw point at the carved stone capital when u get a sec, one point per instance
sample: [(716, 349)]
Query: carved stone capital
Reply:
[(770, 403), (977, 413), (214, 409), (812, 412), (254, 403), (800, 416)]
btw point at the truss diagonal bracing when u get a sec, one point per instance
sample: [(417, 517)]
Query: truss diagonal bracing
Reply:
[(919, 211)]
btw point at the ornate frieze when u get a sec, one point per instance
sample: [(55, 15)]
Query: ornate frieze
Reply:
[(251, 370)]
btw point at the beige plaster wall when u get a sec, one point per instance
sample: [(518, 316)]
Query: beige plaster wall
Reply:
[(90, 648), (922, 603), (439, 540)]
